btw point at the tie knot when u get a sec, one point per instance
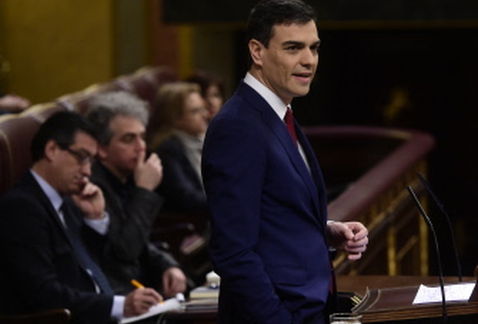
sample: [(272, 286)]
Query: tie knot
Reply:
[(289, 116)]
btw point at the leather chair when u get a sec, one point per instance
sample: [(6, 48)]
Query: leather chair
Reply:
[(78, 101), (42, 112), (16, 133), (53, 316), (146, 81)]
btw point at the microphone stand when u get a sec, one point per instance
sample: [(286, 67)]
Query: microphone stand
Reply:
[(450, 227), (437, 250)]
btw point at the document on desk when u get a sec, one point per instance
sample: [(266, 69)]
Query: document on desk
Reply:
[(167, 305), (455, 292)]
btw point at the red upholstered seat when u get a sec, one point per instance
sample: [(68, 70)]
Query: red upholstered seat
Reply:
[(16, 132)]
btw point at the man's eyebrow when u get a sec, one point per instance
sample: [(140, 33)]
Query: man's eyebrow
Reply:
[(291, 42), (297, 43)]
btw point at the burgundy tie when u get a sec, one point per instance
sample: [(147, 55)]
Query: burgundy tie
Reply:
[(289, 121)]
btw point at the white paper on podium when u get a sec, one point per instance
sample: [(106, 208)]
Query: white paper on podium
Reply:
[(456, 292), (167, 305)]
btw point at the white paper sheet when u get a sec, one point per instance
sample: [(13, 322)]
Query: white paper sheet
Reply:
[(167, 305), (456, 292)]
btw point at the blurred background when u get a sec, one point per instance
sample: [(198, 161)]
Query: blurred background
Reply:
[(394, 63)]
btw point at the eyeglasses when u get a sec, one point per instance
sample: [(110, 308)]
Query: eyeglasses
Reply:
[(81, 156)]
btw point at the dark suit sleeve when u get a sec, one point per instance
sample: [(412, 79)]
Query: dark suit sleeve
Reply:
[(234, 164), (130, 227), (180, 186), (127, 241), (38, 268), (157, 261)]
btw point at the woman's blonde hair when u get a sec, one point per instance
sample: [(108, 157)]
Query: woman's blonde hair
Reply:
[(169, 108)]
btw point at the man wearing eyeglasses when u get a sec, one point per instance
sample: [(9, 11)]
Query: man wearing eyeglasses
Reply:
[(44, 263)]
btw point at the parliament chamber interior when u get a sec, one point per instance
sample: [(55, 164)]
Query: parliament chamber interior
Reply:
[(394, 98)]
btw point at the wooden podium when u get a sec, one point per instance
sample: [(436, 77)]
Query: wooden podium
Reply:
[(390, 301)]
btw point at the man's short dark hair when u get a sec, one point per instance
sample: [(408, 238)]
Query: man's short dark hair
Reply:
[(61, 128), (268, 13)]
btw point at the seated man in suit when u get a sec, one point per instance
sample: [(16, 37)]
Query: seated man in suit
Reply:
[(44, 263), (128, 181)]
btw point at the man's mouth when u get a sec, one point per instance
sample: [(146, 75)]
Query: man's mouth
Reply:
[(303, 77)]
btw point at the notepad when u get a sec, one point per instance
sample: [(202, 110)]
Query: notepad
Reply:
[(457, 292), (167, 305)]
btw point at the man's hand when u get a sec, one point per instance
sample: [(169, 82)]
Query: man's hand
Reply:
[(148, 174), (140, 300), (90, 201), (174, 281), (349, 236)]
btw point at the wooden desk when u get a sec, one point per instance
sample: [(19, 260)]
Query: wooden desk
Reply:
[(396, 307), (390, 300)]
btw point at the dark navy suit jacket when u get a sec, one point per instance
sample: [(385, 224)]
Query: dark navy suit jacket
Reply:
[(268, 216), (38, 267)]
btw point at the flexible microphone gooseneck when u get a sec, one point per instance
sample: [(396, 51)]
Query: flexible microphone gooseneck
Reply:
[(439, 204), (437, 250)]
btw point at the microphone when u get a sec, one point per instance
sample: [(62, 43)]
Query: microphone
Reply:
[(437, 250), (439, 204)]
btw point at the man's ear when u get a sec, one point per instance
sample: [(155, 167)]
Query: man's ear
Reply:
[(51, 148), (102, 152), (256, 50)]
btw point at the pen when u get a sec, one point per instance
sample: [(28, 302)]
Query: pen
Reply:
[(136, 283)]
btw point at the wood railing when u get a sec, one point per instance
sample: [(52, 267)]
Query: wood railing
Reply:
[(379, 163)]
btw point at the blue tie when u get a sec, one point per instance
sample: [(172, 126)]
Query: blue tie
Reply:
[(82, 254)]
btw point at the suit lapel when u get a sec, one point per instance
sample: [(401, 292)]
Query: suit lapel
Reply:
[(315, 171), (37, 191), (279, 129)]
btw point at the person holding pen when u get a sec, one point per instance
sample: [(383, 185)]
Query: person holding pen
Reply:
[(44, 262)]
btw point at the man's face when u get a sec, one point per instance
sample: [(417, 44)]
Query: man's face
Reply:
[(126, 146), (193, 119), (72, 165), (289, 63)]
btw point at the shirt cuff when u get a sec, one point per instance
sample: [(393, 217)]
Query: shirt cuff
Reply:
[(99, 225), (118, 307)]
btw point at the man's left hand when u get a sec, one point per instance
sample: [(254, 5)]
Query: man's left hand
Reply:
[(349, 236), (174, 281), (90, 201)]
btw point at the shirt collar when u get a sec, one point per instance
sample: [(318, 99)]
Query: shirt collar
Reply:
[(269, 96), (49, 191), (188, 140)]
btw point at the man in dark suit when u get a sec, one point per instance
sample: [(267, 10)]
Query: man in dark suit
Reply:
[(264, 185), (128, 180), (44, 264)]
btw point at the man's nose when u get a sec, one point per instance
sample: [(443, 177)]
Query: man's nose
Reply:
[(86, 169), (140, 144), (309, 57)]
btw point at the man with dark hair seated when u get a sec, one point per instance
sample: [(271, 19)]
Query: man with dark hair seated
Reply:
[(44, 263), (128, 180)]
